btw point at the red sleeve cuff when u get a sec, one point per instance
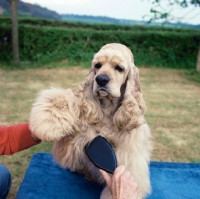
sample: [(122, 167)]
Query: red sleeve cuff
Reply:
[(21, 138)]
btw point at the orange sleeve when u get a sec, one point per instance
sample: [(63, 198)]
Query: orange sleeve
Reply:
[(15, 138)]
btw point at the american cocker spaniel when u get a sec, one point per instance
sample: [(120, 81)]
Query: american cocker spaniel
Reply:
[(108, 103)]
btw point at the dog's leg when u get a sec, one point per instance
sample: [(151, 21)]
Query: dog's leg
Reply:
[(54, 115), (66, 154), (134, 153)]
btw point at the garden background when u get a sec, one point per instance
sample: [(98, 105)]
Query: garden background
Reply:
[(58, 54)]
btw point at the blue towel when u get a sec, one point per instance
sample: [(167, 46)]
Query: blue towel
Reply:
[(44, 179)]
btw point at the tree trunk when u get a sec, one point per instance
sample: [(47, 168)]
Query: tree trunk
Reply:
[(198, 60), (15, 37)]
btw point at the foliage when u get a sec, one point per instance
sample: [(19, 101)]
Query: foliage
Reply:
[(34, 10), (159, 12), (59, 23), (165, 12), (150, 47), (182, 3)]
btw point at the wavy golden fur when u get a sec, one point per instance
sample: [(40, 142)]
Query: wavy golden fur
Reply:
[(108, 103)]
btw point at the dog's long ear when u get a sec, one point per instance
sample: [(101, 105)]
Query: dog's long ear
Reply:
[(89, 106), (130, 114)]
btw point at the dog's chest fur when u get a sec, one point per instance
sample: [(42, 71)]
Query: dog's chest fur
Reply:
[(105, 127)]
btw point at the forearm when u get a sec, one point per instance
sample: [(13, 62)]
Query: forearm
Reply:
[(15, 138)]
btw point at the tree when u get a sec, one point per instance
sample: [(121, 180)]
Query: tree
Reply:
[(15, 37), (166, 13)]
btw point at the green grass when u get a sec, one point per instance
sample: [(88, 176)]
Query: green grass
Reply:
[(173, 110), (192, 75)]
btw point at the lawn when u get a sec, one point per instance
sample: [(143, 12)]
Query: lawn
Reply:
[(173, 111)]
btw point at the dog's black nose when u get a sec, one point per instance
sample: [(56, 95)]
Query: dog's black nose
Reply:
[(102, 80)]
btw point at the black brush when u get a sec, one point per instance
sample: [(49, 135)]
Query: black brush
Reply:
[(101, 153)]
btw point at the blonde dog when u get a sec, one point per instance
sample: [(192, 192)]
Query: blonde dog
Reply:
[(109, 103)]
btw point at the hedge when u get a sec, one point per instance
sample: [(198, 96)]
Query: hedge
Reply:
[(150, 48), (81, 25)]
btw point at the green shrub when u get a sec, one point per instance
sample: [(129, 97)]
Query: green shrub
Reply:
[(100, 27), (150, 48)]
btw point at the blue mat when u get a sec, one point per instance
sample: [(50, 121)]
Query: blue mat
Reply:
[(44, 179)]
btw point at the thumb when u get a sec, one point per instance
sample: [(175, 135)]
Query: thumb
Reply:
[(106, 177)]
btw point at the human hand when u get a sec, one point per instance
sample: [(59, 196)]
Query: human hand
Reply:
[(121, 184)]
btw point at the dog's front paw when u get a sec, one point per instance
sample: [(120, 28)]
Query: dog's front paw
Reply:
[(54, 115)]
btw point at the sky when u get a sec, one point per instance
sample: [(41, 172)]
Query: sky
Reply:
[(120, 9)]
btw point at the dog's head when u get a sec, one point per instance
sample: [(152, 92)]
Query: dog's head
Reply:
[(114, 75), (111, 66)]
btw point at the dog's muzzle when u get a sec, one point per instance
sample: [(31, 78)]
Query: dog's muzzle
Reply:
[(102, 80)]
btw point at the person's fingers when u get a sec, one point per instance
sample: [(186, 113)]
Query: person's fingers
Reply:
[(106, 177), (131, 178), (134, 184), (119, 171), (135, 187), (126, 175)]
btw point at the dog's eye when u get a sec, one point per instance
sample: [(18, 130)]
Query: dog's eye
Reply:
[(120, 69), (97, 66)]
